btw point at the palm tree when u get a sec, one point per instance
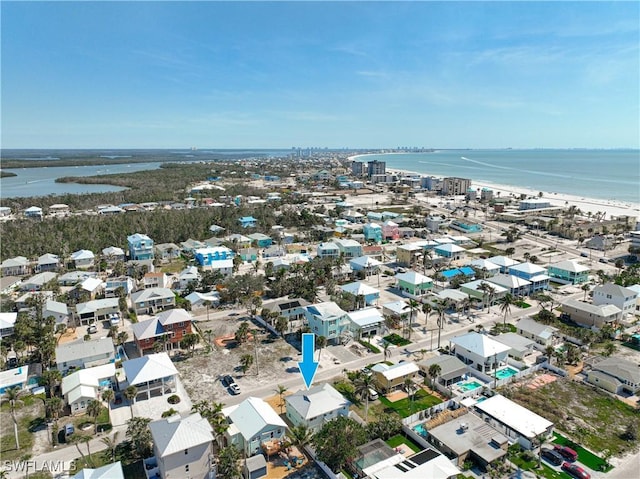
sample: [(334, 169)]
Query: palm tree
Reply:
[(282, 324), (300, 436), (385, 350), (412, 305), (111, 442), (321, 342), (505, 305), (441, 309), (411, 390), (280, 392), (93, 410), (433, 372), (207, 304), (13, 397), (548, 351), (246, 360), (585, 287), (228, 463), (426, 309), (78, 439), (108, 396), (362, 384), (130, 394)]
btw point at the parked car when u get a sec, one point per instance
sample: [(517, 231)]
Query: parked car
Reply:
[(234, 388), (552, 456), (575, 470), (227, 380), (603, 260), (373, 395), (584, 255), (92, 329), (566, 452), (68, 430), (114, 319)]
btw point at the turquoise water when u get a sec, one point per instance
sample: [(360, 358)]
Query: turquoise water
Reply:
[(575, 172), (506, 372), (469, 386), (420, 429)]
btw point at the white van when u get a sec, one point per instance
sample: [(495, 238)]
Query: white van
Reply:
[(373, 395)]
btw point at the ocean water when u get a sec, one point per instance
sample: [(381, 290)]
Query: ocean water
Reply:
[(604, 174)]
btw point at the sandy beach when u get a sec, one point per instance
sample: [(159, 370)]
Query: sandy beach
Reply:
[(585, 204)]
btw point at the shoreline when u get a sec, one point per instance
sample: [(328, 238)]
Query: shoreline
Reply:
[(584, 203)]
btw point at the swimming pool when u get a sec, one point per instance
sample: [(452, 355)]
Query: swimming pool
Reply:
[(420, 429), (469, 386), (506, 372)]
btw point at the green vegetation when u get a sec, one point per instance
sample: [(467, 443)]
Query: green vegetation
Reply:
[(398, 439), (369, 346), (529, 462), (522, 304), (131, 470), (7, 442), (588, 415), (410, 405), (396, 339), (585, 457)]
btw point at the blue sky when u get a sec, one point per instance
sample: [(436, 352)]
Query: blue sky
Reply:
[(343, 74)]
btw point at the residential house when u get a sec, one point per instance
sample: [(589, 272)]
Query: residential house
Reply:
[(156, 280), (72, 278), (388, 378), (543, 335), (37, 282), (183, 447), (18, 266), (168, 328), (199, 300), (239, 241), (591, 315), (137, 267), (248, 254), (33, 212), (113, 254), (452, 370), (110, 471), (124, 282), (368, 294), (600, 243), (59, 311), (515, 285), (374, 251), (469, 438), (8, 284), (140, 247), (7, 323), (84, 354), (24, 303), (479, 351), (437, 222), (206, 257), (521, 347), (465, 271), (390, 230), (90, 286), (316, 406), (328, 250), (48, 262), (191, 245), (450, 251), (352, 216), (291, 308), (153, 375), (97, 309), (85, 385), (413, 283), (149, 301), (372, 232), (366, 264), (329, 320), (536, 275), (367, 322), (504, 262), (273, 252), (569, 272), (610, 293), (398, 310), (254, 426), (516, 422), (248, 222), (167, 252), (261, 240), (348, 247), (11, 378), (409, 255), (616, 375), (189, 275), (424, 464), (83, 259)]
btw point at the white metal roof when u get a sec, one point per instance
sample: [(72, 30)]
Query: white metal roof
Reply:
[(316, 401), (517, 417), (175, 434), (251, 416), (413, 277), (480, 344), (110, 471), (148, 368), (8, 320), (359, 288), (571, 266), (397, 370), (366, 317)]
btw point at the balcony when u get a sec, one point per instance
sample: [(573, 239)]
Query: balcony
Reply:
[(151, 469)]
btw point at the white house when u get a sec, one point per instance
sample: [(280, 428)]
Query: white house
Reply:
[(188, 275), (109, 471), (479, 351), (515, 285), (543, 334), (97, 309), (183, 447), (368, 321), (590, 315), (153, 375), (48, 262), (316, 406), (85, 354), (504, 262), (112, 254), (7, 323), (623, 298), (152, 300), (83, 258), (56, 309), (254, 426), (87, 384), (18, 266), (616, 375)]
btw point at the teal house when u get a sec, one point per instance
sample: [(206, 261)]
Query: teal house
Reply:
[(372, 232), (569, 272), (413, 283), (261, 240), (248, 222)]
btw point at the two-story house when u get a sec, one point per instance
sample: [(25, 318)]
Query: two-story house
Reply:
[(217, 258), (167, 252), (156, 280), (248, 222), (113, 254), (413, 283), (480, 351), (48, 262), (409, 255), (544, 335), (616, 375), (149, 301), (591, 315), (328, 250), (96, 310), (168, 328), (153, 375), (327, 319), (388, 378), (183, 447), (372, 232), (7, 324), (316, 406), (18, 266), (390, 230), (504, 262), (111, 289), (85, 385), (261, 240), (83, 259), (189, 275), (348, 247), (140, 247), (569, 272), (610, 293), (84, 354), (536, 275)]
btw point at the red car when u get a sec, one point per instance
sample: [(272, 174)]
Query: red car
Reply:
[(566, 452), (575, 471)]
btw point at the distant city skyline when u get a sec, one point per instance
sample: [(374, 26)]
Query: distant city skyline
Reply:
[(326, 74)]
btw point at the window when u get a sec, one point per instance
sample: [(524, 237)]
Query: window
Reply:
[(186, 467), (186, 451)]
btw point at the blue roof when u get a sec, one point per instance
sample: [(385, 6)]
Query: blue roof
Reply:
[(248, 218)]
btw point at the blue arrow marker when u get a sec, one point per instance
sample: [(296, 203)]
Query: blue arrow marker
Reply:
[(308, 366)]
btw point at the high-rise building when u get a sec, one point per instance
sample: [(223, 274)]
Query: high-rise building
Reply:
[(358, 169), (376, 167), (455, 186)]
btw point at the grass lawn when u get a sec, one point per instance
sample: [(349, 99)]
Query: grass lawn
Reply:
[(523, 305), (396, 339), (29, 415), (398, 439), (406, 407), (546, 471), (369, 346), (585, 457)]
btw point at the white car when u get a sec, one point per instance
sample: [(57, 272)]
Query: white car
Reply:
[(114, 319)]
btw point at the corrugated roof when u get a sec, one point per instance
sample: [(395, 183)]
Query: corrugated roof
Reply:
[(316, 401), (252, 415), (480, 344), (148, 368), (176, 434)]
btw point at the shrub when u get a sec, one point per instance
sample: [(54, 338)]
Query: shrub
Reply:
[(396, 339), (173, 399), (369, 346), (169, 412)]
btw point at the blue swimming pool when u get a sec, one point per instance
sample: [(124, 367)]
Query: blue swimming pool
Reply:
[(420, 429), (469, 385), (506, 372)]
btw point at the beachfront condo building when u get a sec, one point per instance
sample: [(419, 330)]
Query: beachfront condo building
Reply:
[(455, 186)]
